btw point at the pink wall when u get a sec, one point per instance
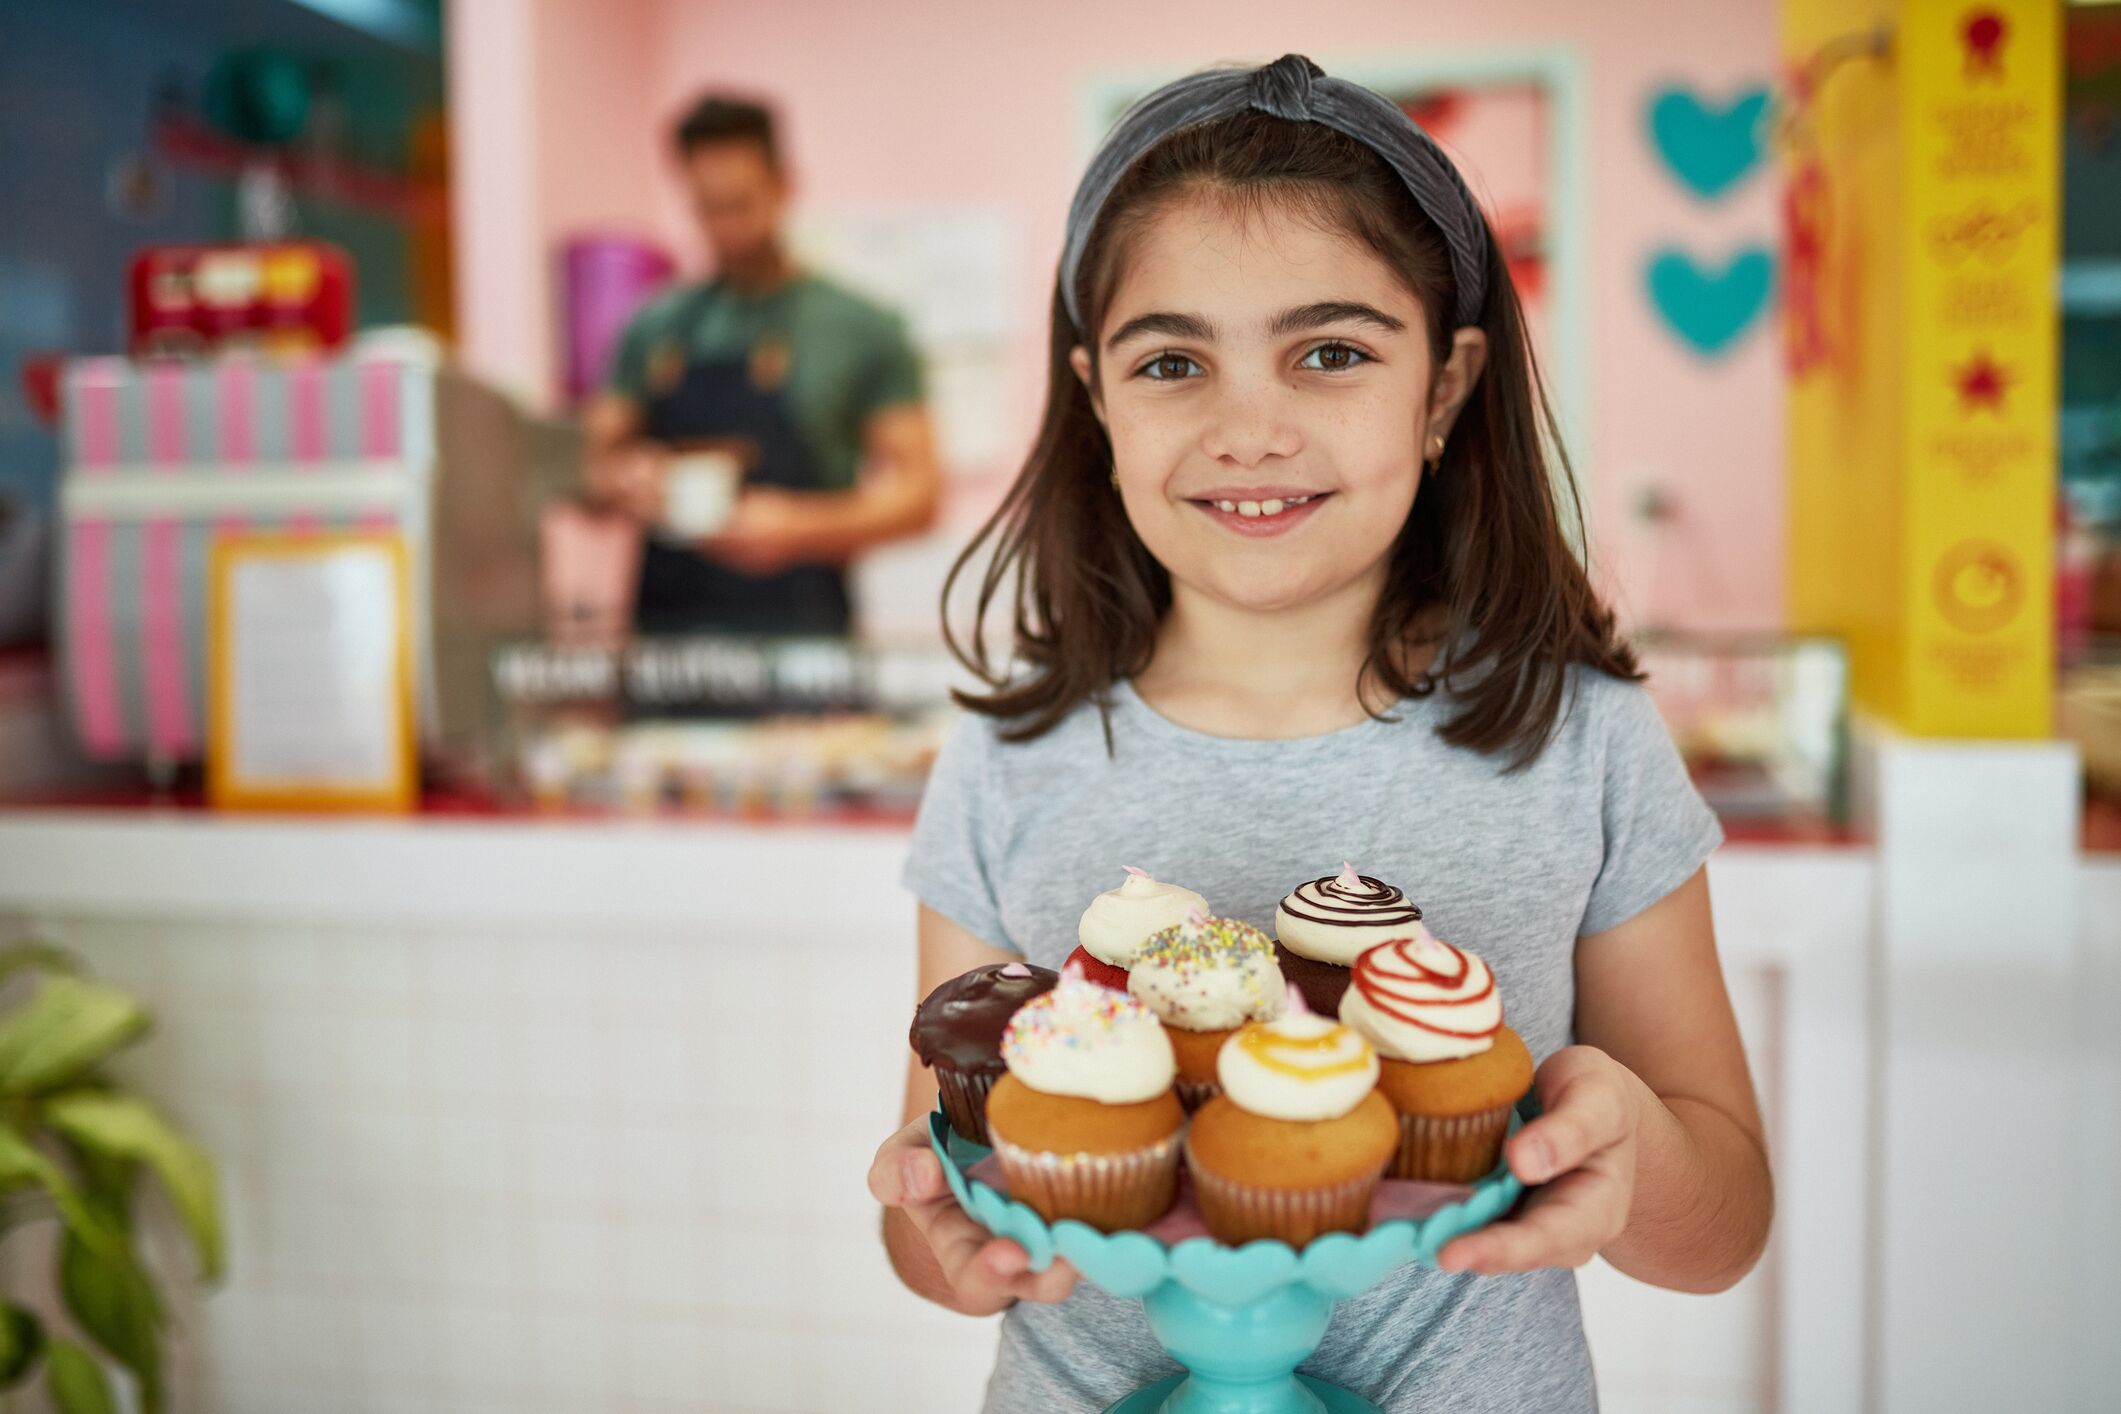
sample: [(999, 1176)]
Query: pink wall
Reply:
[(966, 103), (550, 105)]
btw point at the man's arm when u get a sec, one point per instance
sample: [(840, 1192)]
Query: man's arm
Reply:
[(621, 470), (897, 495)]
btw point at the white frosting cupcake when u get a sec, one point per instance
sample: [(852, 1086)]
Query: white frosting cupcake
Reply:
[(1337, 917), (1301, 1067), (1420, 999), (1091, 1042), (1209, 974), (1117, 921)]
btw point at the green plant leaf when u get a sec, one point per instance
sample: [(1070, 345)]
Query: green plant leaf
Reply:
[(23, 1164), (19, 956), (78, 1382), (114, 1302), (66, 1028), (107, 1179), (21, 1342), (114, 1125)]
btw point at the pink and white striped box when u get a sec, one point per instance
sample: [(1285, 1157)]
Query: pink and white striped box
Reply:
[(162, 456)]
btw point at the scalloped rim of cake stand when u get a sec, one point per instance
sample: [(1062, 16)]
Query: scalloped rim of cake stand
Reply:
[(1132, 1264)]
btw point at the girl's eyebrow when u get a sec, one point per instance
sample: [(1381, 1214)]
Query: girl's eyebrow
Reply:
[(1289, 321), (1177, 326), (1311, 316)]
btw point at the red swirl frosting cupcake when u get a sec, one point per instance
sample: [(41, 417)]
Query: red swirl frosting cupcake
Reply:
[(1448, 1064)]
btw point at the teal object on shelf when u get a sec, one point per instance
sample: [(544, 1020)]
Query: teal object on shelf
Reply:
[(1240, 1319)]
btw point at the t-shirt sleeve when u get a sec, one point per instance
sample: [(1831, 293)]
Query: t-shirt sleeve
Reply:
[(1658, 829), (949, 866), (892, 377)]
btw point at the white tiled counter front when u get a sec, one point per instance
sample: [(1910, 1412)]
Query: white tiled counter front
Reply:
[(574, 1116)]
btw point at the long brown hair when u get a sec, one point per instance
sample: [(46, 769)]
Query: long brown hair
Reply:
[(1483, 570)]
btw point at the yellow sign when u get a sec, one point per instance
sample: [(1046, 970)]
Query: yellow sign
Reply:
[(309, 672), (1923, 411)]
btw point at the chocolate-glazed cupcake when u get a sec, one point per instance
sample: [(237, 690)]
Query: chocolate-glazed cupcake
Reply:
[(957, 1032), (1323, 926)]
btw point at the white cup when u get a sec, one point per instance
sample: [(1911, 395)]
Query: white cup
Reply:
[(699, 492)]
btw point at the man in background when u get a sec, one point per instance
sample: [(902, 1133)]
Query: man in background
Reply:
[(798, 391)]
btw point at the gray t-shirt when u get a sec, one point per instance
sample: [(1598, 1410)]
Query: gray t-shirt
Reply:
[(1014, 840)]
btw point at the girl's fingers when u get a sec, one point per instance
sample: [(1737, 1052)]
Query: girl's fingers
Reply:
[(1053, 1284), (1011, 1266), (905, 1170), (906, 1174), (960, 1247), (1586, 1110), (1562, 1225)]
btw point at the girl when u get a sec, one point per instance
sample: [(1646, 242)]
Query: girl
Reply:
[(1293, 588)]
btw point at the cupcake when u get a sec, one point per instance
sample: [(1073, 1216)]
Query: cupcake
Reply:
[(1324, 925), (1295, 1144), (1204, 979), (1450, 1067), (1117, 920), (1085, 1123), (957, 1033)]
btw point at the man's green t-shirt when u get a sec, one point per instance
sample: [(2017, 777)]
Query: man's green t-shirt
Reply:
[(846, 357)]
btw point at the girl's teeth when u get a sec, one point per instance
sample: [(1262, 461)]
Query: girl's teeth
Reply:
[(1226, 505), (1270, 508), (1248, 508)]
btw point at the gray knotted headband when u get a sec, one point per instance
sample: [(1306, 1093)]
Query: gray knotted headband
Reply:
[(1291, 87)]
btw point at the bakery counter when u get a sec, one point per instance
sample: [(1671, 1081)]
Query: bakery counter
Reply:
[(571, 1113)]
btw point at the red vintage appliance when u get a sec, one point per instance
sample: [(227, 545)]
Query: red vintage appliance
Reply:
[(281, 296)]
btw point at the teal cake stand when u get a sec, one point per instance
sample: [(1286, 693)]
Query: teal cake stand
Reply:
[(1240, 1319)]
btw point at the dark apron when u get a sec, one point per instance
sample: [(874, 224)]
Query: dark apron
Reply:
[(685, 592)]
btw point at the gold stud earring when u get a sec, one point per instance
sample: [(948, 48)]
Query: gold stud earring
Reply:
[(1435, 449)]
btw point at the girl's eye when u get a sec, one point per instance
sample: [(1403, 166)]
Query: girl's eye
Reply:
[(1334, 358), (1167, 367)]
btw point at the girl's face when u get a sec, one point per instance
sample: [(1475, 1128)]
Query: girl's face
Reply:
[(1268, 390)]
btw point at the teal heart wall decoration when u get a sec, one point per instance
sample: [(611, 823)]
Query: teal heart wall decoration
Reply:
[(1708, 149), (1710, 309)]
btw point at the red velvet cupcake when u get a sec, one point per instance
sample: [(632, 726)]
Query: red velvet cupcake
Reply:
[(1120, 920)]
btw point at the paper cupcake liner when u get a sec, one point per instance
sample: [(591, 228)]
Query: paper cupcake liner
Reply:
[(1110, 1192), (1450, 1149), (1195, 1093), (965, 1102), (1238, 1213)]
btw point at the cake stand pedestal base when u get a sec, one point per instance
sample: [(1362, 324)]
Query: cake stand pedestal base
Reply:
[(1158, 1399)]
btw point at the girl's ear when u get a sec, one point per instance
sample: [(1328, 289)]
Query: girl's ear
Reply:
[(1079, 360), (1454, 381)]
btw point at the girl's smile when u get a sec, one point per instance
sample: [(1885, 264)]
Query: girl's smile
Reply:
[(1259, 511)]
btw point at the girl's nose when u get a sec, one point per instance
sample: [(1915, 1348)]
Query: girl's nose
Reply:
[(1250, 425)]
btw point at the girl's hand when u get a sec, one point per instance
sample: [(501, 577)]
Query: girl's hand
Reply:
[(1582, 1150), (984, 1273)]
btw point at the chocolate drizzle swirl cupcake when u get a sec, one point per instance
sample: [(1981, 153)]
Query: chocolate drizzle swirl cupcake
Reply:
[(957, 1032), (1324, 925)]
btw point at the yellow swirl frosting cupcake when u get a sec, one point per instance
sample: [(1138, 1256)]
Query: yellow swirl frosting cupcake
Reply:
[(1295, 1144)]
